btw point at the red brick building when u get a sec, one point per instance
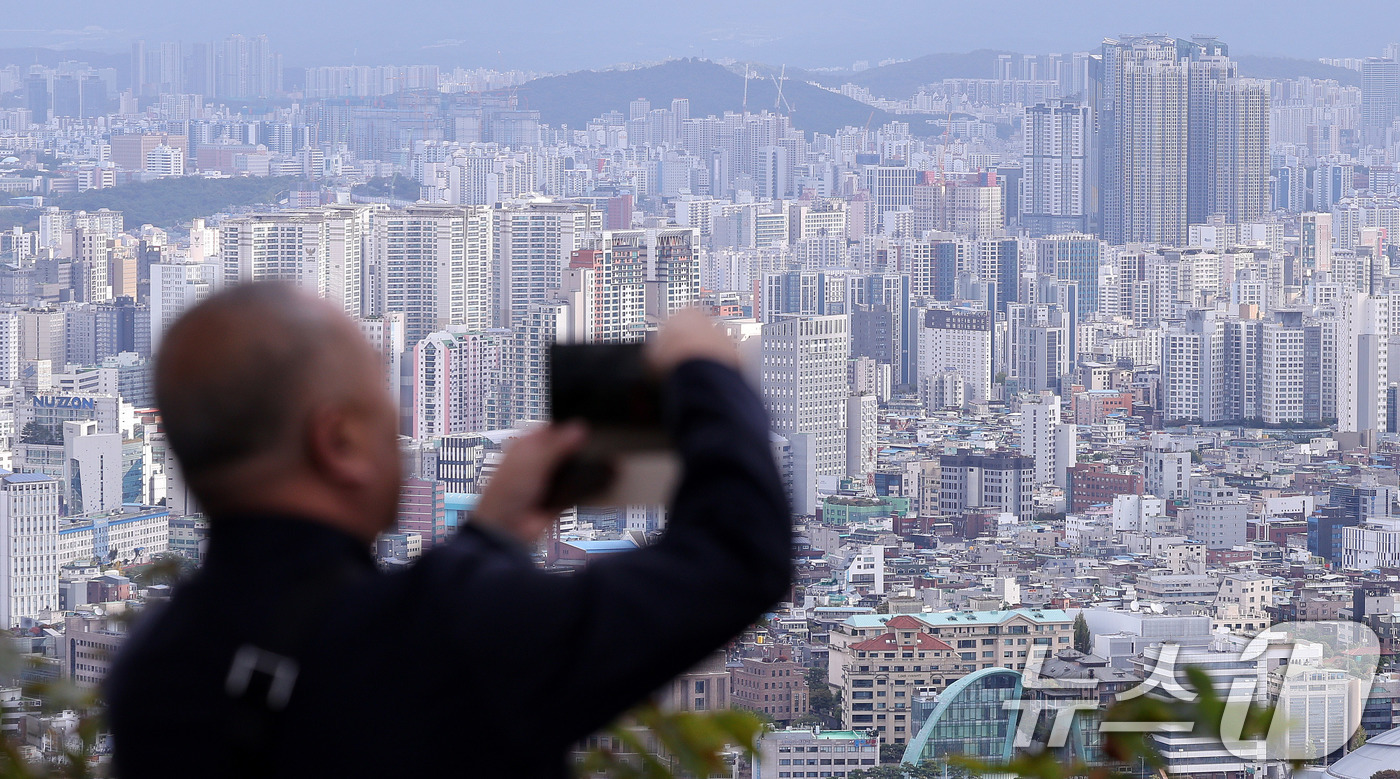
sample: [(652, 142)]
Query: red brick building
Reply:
[(1091, 484), (775, 687)]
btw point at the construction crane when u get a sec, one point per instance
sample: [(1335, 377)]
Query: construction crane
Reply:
[(745, 108), (780, 100), (942, 166)]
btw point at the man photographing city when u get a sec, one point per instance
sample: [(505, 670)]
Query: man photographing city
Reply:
[(290, 654)]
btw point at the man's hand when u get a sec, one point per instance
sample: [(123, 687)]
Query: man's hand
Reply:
[(690, 335), (513, 501)]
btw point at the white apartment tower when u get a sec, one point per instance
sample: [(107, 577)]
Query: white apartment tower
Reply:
[(804, 383), (385, 333), (1193, 369), (434, 262), (533, 243), (1362, 364), (28, 546), (1054, 191), (1046, 438), (320, 250)]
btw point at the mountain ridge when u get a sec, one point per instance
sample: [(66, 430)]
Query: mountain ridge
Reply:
[(580, 96)]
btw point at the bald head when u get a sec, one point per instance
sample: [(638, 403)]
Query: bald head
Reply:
[(242, 377)]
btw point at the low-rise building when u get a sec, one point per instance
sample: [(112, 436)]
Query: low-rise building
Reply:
[(789, 754)]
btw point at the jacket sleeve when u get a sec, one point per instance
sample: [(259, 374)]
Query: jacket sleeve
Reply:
[(584, 648)]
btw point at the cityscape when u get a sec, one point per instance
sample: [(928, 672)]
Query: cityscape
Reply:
[(1077, 363)]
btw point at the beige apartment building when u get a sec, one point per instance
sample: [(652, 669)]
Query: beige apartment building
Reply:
[(879, 661)]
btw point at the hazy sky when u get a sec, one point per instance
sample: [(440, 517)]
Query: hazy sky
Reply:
[(562, 35)]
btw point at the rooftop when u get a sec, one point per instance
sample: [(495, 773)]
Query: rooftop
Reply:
[(950, 618)]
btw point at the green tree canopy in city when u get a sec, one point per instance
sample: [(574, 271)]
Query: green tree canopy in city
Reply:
[(1082, 637), (167, 203)]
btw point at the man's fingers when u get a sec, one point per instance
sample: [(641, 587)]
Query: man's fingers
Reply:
[(564, 440), (548, 446)]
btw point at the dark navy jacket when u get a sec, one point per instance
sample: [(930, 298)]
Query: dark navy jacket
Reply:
[(471, 661)]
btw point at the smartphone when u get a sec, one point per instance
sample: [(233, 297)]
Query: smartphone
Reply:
[(628, 458)]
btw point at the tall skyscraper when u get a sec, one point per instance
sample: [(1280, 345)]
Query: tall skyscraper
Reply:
[(1055, 190), (1380, 97), (804, 384), (1228, 132), (1182, 138), (1142, 123)]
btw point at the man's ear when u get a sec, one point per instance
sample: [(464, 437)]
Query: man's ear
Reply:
[(336, 445)]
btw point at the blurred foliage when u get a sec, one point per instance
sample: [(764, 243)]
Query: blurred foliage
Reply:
[(695, 743), (1131, 748), (689, 743), (167, 568), (71, 718)]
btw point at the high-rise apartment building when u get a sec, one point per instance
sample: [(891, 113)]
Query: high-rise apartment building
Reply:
[(320, 250), (1361, 359), (804, 383), (606, 291), (1073, 257), (1228, 139), (385, 334), (1055, 189), (1380, 97), (1193, 367), (433, 264), (525, 377), (533, 243), (1182, 138), (1143, 119), (457, 381)]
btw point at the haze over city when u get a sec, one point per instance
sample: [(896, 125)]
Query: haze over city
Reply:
[(782, 390), (550, 36)]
